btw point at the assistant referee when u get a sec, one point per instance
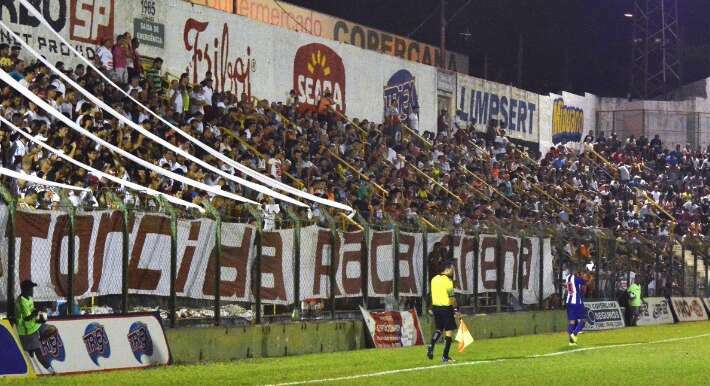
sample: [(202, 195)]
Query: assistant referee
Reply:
[(444, 309)]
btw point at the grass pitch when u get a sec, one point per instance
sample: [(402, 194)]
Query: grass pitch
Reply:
[(661, 355)]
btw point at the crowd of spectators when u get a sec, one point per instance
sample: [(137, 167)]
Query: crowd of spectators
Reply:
[(458, 176)]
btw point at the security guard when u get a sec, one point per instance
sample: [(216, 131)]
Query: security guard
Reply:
[(29, 323), (444, 309)]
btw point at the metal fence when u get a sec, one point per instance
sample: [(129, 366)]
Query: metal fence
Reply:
[(665, 265), (674, 127)]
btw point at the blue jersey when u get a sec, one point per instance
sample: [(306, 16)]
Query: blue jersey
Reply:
[(574, 289)]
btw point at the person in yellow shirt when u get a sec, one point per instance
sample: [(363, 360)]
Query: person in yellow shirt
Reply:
[(444, 309)]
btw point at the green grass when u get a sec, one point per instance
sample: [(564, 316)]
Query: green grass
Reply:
[(646, 360)]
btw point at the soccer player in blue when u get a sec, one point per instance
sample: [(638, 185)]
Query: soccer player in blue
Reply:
[(576, 313)]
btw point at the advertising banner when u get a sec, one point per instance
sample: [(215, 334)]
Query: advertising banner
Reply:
[(707, 304), (393, 328), (479, 101), (83, 23), (603, 316), (292, 17), (688, 309), (99, 343), (13, 362), (42, 256), (655, 311)]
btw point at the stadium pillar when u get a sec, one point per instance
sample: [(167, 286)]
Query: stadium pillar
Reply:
[(541, 272), (11, 255), (395, 245), (705, 263), (499, 271)]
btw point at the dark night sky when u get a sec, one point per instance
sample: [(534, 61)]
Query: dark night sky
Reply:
[(593, 33)]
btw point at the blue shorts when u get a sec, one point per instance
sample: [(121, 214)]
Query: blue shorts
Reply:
[(576, 312)]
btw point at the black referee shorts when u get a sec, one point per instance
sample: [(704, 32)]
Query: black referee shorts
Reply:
[(444, 318)]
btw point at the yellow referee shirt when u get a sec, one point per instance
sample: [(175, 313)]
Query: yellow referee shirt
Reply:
[(442, 289)]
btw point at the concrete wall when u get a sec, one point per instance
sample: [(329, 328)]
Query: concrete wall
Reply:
[(218, 344)]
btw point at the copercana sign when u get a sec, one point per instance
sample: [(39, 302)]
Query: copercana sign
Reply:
[(285, 15)]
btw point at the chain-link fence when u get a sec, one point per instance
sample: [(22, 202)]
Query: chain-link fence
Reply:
[(212, 270), (673, 127)]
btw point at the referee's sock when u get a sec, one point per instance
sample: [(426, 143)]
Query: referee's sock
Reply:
[(434, 337), (447, 346)]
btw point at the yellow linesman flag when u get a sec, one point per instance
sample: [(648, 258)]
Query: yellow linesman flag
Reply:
[(463, 336)]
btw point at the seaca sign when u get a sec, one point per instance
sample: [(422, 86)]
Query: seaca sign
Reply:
[(98, 343), (318, 69)]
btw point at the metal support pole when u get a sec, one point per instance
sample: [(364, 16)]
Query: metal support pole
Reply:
[(331, 274), (695, 273), (296, 313), (11, 253), (476, 259), (499, 271), (125, 252), (257, 279), (395, 245), (365, 259), (597, 263), (173, 268), (541, 273), (521, 264), (71, 255), (425, 270), (669, 283), (682, 268)]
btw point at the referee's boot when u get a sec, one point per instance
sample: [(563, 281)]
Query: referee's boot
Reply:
[(448, 360), (430, 352)]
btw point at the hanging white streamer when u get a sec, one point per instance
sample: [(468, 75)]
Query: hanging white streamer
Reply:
[(244, 169), (140, 129), (4, 76), (37, 180), (122, 182)]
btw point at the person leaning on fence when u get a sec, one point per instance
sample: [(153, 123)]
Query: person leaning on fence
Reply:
[(30, 324), (634, 302), (444, 309)]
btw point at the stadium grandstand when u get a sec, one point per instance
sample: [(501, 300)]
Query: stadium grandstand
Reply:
[(211, 139)]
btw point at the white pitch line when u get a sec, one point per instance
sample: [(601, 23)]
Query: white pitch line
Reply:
[(482, 362)]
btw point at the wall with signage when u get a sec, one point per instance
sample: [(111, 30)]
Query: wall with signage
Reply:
[(289, 16)]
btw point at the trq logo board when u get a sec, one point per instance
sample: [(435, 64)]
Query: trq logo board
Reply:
[(402, 89), (97, 343)]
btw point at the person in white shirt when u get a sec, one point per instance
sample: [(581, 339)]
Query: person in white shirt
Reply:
[(105, 56), (414, 119)]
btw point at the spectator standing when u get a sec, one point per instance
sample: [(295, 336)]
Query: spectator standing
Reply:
[(155, 77), (120, 59), (104, 56)]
